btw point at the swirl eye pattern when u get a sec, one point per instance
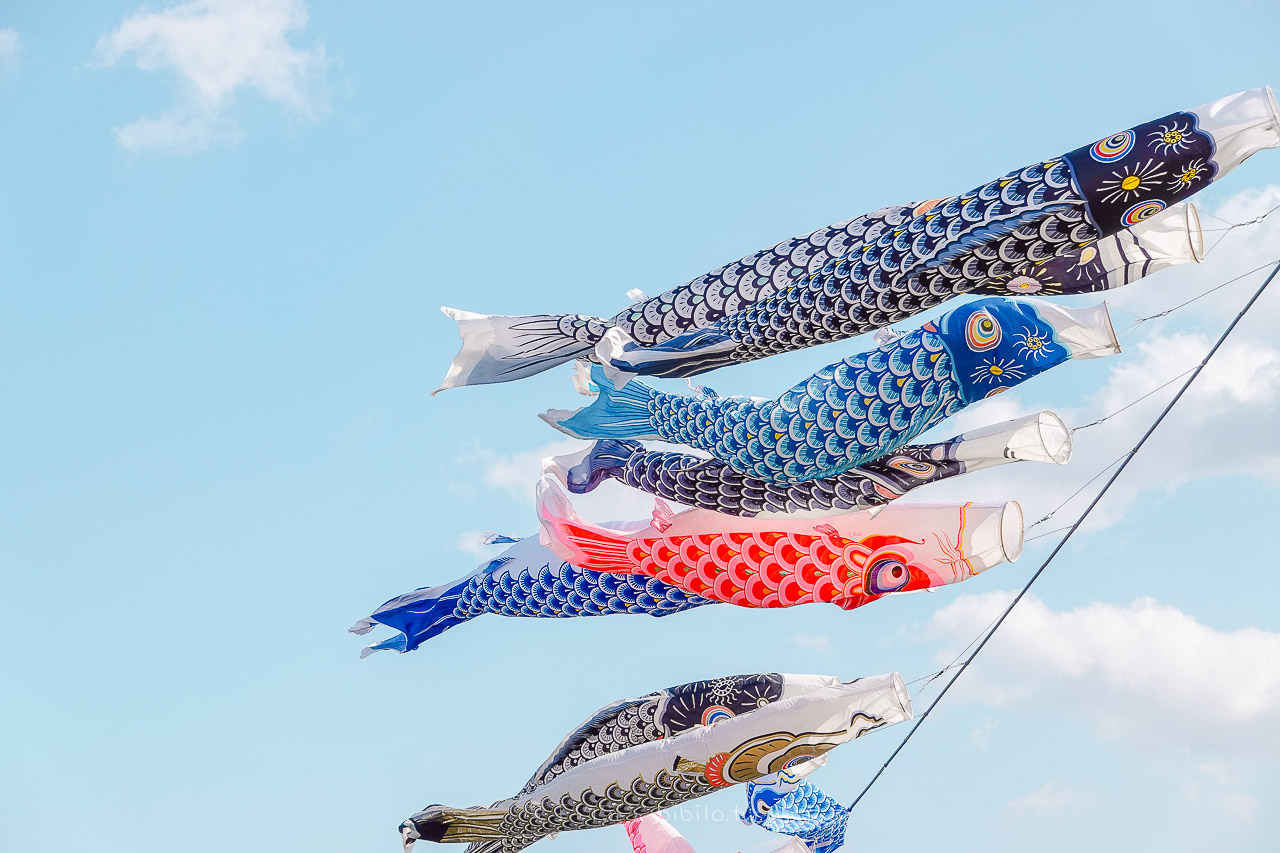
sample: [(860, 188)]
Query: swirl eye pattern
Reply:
[(1142, 210), (981, 332), (1113, 147), (887, 574), (914, 467)]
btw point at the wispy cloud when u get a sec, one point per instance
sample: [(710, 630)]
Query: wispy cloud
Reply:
[(218, 49), (1048, 799), (980, 735), (817, 643), (1222, 787), (1239, 805), (10, 48)]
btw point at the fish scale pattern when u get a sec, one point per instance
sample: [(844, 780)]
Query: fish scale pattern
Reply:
[(1026, 216), (947, 248), (811, 815), (728, 290), (767, 569), (533, 821), (566, 591), (849, 412), (629, 724), (711, 484), (632, 722), (737, 286)]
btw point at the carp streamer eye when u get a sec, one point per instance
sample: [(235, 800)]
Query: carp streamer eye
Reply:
[(888, 574), (913, 467), (981, 332)]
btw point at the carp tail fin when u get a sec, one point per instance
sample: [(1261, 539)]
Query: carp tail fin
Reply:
[(576, 540), (616, 412), (497, 348), (581, 472), (480, 826)]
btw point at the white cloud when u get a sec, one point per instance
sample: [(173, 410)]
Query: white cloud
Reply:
[(980, 735), (1239, 805), (219, 49), (1238, 394), (1046, 800), (10, 47), (1145, 674), (817, 643), (1217, 785)]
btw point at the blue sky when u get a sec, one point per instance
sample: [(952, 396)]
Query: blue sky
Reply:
[(223, 258)]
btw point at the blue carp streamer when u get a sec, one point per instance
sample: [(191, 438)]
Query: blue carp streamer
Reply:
[(863, 407), (525, 580), (785, 803)]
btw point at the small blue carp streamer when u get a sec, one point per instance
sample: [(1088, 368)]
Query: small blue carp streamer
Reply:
[(711, 484), (881, 268), (863, 407), (785, 803), (529, 580)]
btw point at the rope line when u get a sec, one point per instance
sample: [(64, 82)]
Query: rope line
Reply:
[(1234, 225), (1155, 390), (1070, 532), (1086, 485), (1166, 312)]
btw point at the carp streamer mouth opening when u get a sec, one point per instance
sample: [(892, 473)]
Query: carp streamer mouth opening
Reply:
[(1012, 531), (1055, 437), (1195, 234)]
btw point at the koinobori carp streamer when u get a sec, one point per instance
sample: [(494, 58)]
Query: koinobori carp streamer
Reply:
[(719, 749), (711, 484), (787, 803), (780, 561), (878, 269), (863, 407)]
